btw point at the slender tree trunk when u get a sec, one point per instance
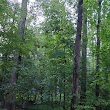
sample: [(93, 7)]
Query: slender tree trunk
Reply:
[(55, 89), (41, 95), (76, 68), (97, 92), (49, 93), (64, 81), (52, 102), (60, 98), (84, 60), (10, 95), (64, 95)]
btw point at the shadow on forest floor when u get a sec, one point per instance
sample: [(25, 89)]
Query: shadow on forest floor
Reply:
[(42, 106)]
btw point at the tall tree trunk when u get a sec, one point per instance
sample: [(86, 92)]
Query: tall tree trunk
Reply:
[(76, 68), (84, 60), (10, 95), (64, 94), (97, 92), (64, 81)]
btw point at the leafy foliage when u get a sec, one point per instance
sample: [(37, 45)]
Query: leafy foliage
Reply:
[(44, 73)]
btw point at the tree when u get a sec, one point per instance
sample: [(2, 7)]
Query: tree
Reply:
[(36, 59), (10, 94), (76, 68), (84, 59), (98, 51)]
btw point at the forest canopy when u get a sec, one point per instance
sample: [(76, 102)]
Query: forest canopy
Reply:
[(54, 55)]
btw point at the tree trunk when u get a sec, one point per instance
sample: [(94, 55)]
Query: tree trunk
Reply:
[(64, 81), (76, 68), (60, 98), (97, 92), (84, 60), (10, 94), (41, 95), (52, 101), (64, 95)]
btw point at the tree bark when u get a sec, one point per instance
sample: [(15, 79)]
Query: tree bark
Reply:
[(97, 92), (76, 67), (84, 60)]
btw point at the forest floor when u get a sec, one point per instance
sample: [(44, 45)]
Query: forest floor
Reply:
[(44, 107)]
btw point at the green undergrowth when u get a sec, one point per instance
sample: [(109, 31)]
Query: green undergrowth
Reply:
[(44, 107)]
